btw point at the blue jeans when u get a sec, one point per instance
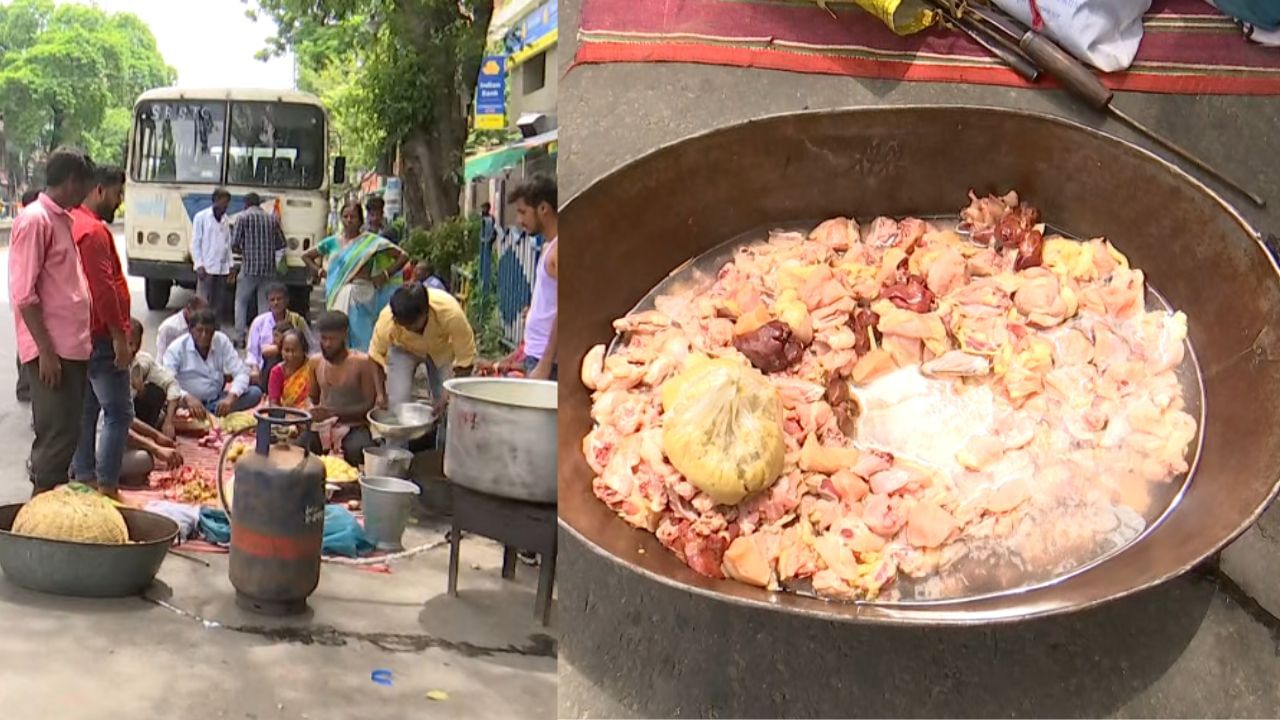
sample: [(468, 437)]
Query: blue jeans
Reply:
[(249, 399), (247, 290), (532, 362), (108, 395)]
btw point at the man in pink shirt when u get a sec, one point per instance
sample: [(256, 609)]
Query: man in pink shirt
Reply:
[(51, 311)]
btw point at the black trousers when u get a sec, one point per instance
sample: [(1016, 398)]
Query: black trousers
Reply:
[(148, 405), (353, 445), (56, 413), (23, 391)]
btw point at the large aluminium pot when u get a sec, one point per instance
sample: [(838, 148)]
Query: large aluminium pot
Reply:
[(501, 437), (684, 199)]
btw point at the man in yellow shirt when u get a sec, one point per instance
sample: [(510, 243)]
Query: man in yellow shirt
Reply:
[(422, 327)]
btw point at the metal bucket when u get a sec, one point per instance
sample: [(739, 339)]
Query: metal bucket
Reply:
[(502, 437), (921, 161), (86, 569), (386, 501), (387, 462)]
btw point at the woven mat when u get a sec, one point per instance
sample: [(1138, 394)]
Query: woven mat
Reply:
[(1187, 47)]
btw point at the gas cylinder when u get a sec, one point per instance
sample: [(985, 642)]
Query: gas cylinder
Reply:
[(277, 519)]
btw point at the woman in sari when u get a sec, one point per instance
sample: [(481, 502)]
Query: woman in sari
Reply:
[(290, 382), (362, 272)]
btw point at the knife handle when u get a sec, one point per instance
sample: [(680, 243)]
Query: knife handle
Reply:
[(1074, 75)]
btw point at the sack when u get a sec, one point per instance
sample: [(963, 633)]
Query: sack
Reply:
[(722, 428), (1103, 33)]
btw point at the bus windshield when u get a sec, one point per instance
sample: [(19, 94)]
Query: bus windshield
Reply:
[(269, 145)]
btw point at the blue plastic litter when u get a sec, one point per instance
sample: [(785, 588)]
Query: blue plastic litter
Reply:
[(214, 526), (381, 677), (342, 533)]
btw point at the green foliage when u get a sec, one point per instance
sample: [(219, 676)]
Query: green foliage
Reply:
[(69, 74), (455, 241), (391, 72), (482, 312)]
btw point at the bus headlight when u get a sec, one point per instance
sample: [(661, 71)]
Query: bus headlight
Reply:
[(153, 237), (293, 243), (173, 239)]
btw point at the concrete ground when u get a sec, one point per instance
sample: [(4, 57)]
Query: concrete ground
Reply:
[(1206, 645), (186, 650)]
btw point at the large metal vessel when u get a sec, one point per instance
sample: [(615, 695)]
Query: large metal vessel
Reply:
[(502, 437), (277, 520), (684, 199)]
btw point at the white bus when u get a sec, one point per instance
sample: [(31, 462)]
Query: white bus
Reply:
[(185, 143)]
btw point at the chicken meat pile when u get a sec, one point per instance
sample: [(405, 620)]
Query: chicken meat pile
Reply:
[(898, 410)]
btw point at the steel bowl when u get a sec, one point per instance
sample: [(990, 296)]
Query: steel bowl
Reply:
[(87, 570), (403, 422), (681, 200)]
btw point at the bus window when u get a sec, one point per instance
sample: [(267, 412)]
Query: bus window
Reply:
[(276, 145), (178, 141)]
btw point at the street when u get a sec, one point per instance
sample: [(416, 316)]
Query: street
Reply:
[(188, 651)]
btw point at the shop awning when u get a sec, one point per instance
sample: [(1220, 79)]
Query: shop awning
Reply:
[(491, 163), (494, 162)]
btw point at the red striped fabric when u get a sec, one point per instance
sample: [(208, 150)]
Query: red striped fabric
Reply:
[(1187, 47)]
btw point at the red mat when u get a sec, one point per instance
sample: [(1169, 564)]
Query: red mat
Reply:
[(205, 458), (1187, 47)]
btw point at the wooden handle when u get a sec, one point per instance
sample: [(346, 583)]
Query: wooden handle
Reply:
[(1072, 73)]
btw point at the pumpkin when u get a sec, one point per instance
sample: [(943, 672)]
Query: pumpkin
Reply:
[(75, 513)]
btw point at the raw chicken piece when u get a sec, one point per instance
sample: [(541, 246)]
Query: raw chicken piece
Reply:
[(745, 561), (929, 525), (837, 233), (1043, 299)]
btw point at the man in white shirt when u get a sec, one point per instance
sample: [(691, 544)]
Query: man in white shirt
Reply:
[(177, 324), (211, 250), (202, 361)]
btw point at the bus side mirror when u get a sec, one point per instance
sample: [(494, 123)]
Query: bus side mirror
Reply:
[(340, 170)]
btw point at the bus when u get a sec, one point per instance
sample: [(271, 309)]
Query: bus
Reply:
[(185, 143)]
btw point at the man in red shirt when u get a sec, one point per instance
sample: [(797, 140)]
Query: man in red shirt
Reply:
[(50, 301), (97, 460)]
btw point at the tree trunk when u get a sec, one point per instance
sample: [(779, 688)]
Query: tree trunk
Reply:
[(432, 153)]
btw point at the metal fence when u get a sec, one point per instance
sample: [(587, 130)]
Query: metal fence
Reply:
[(517, 255)]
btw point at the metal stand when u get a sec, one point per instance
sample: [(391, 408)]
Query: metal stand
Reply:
[(518, 526)]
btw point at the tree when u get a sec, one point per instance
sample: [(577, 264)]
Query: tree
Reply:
[(398, 74), (69, 74)]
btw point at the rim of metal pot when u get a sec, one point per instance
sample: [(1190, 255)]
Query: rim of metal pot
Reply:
[(458, 386), (941, 614)]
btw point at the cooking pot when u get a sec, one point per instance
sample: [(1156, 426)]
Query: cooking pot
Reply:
[(502, 437), (681, 200)]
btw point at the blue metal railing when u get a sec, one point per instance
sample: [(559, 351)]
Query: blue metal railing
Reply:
[(517, 255)]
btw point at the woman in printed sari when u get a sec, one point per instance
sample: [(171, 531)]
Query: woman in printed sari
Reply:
[(290, 382), (362, 272)]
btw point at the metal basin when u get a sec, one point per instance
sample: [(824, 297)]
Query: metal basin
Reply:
[(1196, 250), (502, 437), (402, 423), (85, 569)]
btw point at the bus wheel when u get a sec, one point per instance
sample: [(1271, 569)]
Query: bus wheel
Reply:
[(300, 300), (158, 294)]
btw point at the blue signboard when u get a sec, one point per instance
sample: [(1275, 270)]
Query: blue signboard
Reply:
[(491, 95), (535, 33)]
